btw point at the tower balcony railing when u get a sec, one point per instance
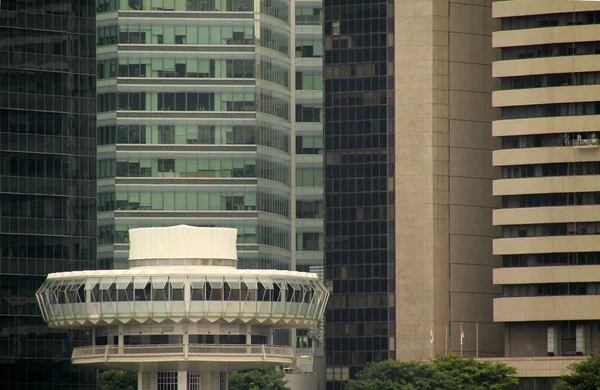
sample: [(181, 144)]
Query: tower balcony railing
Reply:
[(183, 352)]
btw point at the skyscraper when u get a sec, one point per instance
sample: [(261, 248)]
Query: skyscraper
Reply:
[(549, 76), (210, 114), (47, 180), (408, 181), (197, 118)]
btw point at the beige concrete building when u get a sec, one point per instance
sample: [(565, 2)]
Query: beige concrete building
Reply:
[(443, 178), (549, 97)]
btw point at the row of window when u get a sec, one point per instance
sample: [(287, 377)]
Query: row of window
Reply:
[(551, 80), (171, 167), (45, 207), (176, 101), (550, 50), (171, 67), (266, 235), (551, 259), (550, 20), (550, 110), (201, 167), (52, 124), (161, 290), (42, 83), (46, 166), (175, 5), (553, 169), (194, 201), (541, 140), (52, 43), (550, 200), (551, 289), (165, 339), (176, 35), (551, 229), (265, 134), (216, 201), (197, 101), (119, 234)]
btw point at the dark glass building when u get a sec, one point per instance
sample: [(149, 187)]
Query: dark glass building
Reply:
[(47, 180), (359, 155)]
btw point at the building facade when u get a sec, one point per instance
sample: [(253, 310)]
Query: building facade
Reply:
[(198, 114), (408, 182), (548, 96), (47, 181)]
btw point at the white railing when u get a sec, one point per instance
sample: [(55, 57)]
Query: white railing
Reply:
[(107, 351)]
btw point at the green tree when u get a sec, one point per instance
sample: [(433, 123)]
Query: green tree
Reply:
[(259, 379), (117, 380), (442, 373), (583, 376)]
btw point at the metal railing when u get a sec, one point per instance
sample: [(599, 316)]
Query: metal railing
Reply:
[(182, 349)]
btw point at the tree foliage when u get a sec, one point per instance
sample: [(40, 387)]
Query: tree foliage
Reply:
[(583, 376), (259, 379), (442, 373), (117, 380)]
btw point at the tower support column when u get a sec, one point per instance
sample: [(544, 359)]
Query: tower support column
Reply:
[(182, 378)]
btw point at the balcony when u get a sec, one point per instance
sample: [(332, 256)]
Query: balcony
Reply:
[(195, 357)]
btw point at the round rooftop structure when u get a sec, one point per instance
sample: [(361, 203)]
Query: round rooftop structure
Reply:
[(182, 291)]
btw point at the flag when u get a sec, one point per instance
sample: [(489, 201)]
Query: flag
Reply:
[(462, 334), (430, 335)]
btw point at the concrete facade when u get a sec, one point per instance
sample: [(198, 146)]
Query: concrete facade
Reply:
[(547, 92), (443, 178)]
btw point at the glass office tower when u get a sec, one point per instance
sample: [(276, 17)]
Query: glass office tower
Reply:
[(194, 122), (47, 180), (359, 188)]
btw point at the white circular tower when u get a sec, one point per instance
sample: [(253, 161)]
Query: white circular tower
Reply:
[(182, 315)]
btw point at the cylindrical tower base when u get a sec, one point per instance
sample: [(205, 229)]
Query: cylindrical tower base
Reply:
[(182, 380)]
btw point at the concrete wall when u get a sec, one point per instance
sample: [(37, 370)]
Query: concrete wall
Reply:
[(444, 176)]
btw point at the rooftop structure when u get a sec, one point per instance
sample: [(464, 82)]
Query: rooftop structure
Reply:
[(182, 315)]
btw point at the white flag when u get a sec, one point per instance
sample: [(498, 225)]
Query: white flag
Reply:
[(462, 334), (430, 335)]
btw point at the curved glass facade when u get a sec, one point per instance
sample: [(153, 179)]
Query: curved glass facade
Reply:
[(195, 123), (47, 181)]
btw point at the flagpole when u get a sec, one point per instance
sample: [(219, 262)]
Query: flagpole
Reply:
[(461, 339), (446, 340), (431, 342), (477, 339)]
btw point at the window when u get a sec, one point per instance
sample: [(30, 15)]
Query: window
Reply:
[(166, 165)]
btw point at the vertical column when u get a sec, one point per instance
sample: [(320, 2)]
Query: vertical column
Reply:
[(145, 380), (121, 338), (182, 380)]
